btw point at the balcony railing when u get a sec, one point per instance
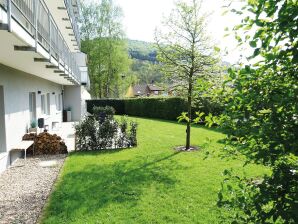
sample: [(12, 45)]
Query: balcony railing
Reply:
[(73, 20), (36, 19)]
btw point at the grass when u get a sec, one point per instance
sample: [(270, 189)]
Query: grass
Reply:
[(148, 184)]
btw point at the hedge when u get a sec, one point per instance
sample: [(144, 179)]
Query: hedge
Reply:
[(117, 104), (162, 108)]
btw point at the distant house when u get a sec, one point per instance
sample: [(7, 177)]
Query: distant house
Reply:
[(143, 90)]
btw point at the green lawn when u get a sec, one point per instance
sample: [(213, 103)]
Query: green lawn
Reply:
[(148, 184)]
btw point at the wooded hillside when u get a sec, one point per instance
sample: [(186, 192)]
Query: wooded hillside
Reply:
[(142, 50)]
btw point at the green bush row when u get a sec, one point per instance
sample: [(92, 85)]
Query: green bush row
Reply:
[(168, 108)]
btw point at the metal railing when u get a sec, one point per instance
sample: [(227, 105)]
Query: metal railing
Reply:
[(36, 19), (73, 20)]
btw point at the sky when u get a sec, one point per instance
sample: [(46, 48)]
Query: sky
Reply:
[(141, 17)]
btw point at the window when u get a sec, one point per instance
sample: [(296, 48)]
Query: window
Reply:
[(43, 104), (32, 106), (48, 104), (58, 102)]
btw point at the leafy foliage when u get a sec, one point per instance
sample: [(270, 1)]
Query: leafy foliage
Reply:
[(102, 113), (261, 116), (102, 131), (143, 51), (146, 71), (103, 42)]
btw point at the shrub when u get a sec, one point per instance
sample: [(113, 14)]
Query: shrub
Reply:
[(102, 113), (99, 132)]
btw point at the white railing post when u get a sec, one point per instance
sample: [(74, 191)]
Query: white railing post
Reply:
[(50, 36), (35, 13)]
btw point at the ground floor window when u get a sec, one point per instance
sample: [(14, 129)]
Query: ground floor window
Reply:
[(58, 101), (32, 106), (48, 104), (43, 104)]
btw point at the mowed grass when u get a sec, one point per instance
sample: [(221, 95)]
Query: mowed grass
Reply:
[(151, 183)]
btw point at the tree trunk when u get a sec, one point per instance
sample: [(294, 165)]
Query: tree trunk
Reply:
[(189, 98)]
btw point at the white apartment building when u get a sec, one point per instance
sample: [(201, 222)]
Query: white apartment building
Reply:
[(42, 70)]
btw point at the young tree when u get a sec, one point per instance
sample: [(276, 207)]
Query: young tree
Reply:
[(261, 115), (184, 50)]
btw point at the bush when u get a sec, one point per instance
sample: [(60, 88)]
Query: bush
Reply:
[(102, 113), (99, 132)]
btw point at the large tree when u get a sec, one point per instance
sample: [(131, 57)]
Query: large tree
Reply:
[(184, 50), (261, 115), (103, 41)]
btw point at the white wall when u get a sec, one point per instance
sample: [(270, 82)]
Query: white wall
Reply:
[(85, 95), (16, 86), (75, 97), (72, 100)]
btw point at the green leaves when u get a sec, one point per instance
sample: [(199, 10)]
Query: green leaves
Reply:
[(183, 117), (217, 49), (261, 116), (253, 44)]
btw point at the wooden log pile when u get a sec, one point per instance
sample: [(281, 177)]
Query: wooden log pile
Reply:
[(45, 144)]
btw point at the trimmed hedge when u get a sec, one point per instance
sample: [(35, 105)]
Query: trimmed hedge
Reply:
[(168, 108), (162, 108), (117, 104)]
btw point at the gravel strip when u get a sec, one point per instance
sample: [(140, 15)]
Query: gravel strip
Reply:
[(25, 187)]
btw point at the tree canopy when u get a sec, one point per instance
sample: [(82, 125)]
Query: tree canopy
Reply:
[(261, 116), (103, 41)]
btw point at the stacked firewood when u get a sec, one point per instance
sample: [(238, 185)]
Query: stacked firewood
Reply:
[(45, 144)]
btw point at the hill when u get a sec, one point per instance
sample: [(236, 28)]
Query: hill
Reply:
[(141, 50)]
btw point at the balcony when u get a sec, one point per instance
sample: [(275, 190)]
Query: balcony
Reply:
[(65, 14), (36, 32)]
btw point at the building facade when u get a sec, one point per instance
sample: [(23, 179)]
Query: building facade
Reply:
[(42, 70)]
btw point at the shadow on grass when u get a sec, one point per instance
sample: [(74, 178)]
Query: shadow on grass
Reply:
[(95, 186), (99, 152)]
